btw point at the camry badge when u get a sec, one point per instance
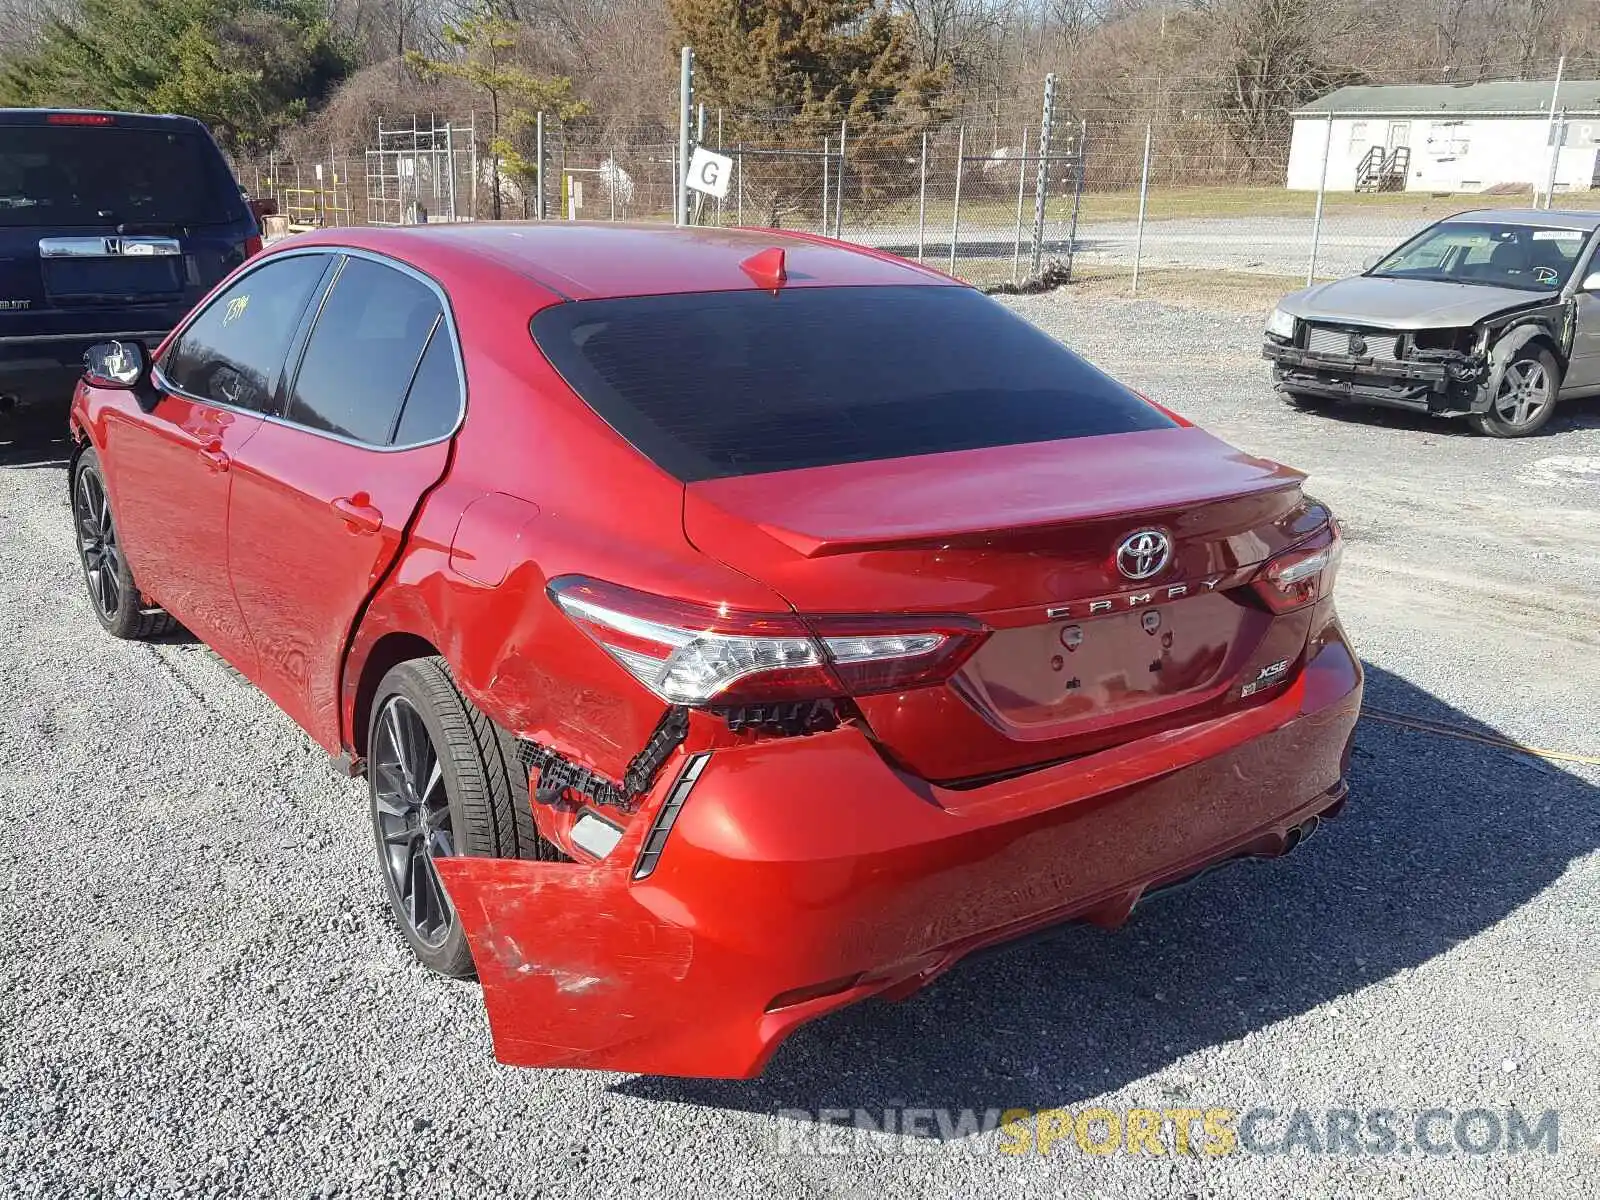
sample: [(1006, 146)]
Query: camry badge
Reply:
[(1144, 554)]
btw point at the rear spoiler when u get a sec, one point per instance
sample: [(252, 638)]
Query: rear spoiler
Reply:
[(1002, 491)]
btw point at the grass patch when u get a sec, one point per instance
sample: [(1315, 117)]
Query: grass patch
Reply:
[(1218, 291)]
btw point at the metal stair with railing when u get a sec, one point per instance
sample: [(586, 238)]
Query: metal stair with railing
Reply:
[(1383, 171)]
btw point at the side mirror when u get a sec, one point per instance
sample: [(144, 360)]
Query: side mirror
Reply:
[(121, 365), (1591, 282)]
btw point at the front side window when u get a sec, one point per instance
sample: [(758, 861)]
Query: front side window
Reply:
[(232, 352), (714, 384), (363, 352)]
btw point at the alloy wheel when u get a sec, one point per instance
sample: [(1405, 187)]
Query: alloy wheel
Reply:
[(413, 813), (1525, 392), (97, 543)]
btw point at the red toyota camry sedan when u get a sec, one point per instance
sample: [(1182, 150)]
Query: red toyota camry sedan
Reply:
[(729, 625)]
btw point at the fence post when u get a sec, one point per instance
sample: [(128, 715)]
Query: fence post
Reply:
[(838, 208), (697, 204), (825, 148), (740, 166), (450, 163), (568, 195), (1322, 190), (922, 196), (955, 215), (1144, 192), (538, 166), (719, 151), (1081, 157), (1042, 180), (1022, 180), (680, 170), (472, 136)]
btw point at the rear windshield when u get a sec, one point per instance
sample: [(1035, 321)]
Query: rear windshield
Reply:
[(64, 175), (714, 384)]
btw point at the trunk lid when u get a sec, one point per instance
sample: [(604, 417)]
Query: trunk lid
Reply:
[(1025, 538)]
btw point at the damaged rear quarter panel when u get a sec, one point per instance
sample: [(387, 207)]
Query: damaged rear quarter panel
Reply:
[(538, 487)]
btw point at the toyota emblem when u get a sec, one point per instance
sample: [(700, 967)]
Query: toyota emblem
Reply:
[(1145, 554)]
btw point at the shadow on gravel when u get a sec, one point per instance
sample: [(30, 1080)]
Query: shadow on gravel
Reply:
[(34, 440), (1442, 839), (1570, 417)]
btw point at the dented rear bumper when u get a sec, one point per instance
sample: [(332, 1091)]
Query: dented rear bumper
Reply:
[(805, 874)]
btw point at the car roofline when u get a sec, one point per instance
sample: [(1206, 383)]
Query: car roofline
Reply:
[(123, 120), (561, 287), (1556, 218)]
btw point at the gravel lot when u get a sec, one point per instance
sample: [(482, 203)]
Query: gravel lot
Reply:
[(201, 992)]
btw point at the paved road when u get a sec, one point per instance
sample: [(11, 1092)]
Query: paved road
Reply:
[(201, 992), (1265, 245)]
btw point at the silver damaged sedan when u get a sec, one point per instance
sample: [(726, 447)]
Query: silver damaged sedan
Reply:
[(1493, 316)]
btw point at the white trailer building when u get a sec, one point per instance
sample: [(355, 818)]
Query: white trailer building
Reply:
[(1448, 138)]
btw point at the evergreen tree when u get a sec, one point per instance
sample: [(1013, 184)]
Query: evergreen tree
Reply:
[(487, 46), (246, 68), (788, 73)]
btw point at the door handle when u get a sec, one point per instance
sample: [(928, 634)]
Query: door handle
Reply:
[(215, 458), (358, 513)]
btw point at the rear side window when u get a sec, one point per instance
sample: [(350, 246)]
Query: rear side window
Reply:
[(363, 352), (56, 175), (434, 402), (232, 352), (715, 384)]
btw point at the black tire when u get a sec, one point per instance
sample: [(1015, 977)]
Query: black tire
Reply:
[(114, 595), (1306, 401), (1527, 395), (483, 812)]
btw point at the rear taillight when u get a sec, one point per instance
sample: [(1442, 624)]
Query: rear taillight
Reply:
[(698, 654), (252, 245), (1303, 575)]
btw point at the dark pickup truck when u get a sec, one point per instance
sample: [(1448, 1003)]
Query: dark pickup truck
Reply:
[(112, 226)]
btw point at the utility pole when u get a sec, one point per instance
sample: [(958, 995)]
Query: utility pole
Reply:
[(1550, 133), (1041, 185), (1144, 193), (1322, 193), (685, 107)]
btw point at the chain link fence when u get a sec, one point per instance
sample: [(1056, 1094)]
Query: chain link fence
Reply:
[(1144, 207)]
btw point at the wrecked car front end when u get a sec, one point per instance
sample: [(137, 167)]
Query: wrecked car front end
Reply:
[(1439, 371), (1475, 316)]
